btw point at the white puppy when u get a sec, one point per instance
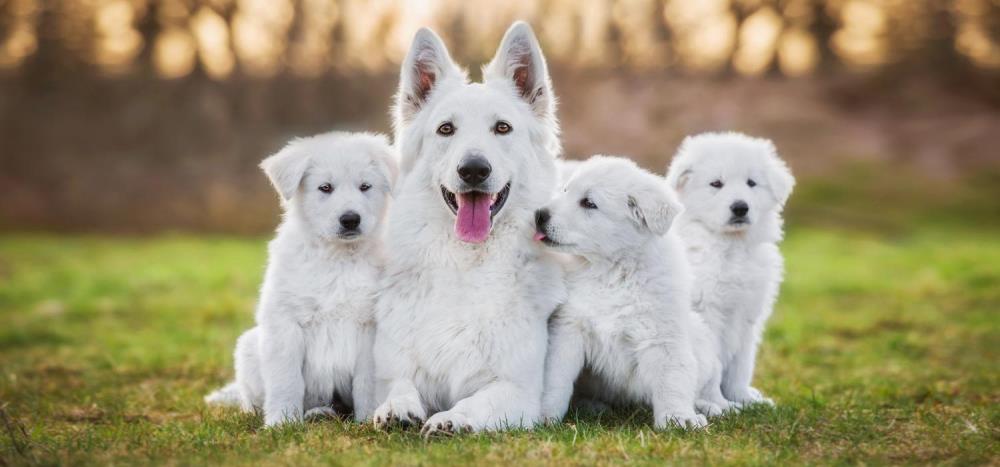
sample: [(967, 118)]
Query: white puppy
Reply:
[(462, 317), (627, 318), (733, 188), (315, 320)]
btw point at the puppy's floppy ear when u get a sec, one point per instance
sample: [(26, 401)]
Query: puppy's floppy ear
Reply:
[(426, 66), (519, 61), (286, 169), (653, 205), (779, 176), (678, 182), (680, 169)]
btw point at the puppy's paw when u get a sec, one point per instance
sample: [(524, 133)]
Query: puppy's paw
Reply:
[(758, 398), (281, 418), (707, 408), (446, 423), (751, 396), (687, 421), (320, 413), (401, 412)]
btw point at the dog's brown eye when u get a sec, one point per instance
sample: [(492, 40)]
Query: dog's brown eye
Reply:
[(751, 183), (446, 129), (502, 128), (586, 203), (365, 187), (326, 188), (716, 184)]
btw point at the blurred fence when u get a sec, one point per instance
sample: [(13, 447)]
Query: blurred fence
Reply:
[(140, 115)]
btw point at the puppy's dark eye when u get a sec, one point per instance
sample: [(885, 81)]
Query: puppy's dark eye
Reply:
[(326, 188), (716, 184), (502, 128), (751, 183), (365, 187), (586, 203), (446, 129)]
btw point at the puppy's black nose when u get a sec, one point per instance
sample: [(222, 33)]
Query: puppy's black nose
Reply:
[(542, 217), (350, 220), (740, 208), (474, 169)]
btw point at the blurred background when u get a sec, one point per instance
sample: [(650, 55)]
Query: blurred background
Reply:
[(138, 116)]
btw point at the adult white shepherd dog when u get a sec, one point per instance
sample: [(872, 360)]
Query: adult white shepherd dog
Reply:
[(462, 319)]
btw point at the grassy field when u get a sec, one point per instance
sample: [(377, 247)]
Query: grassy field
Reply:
[(883, 349)]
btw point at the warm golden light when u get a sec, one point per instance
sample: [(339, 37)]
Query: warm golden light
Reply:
[(174, 53), (705, 32), (212, 35), (758, 39), (974, 41), (798, 53), (260, 31), (641, 45), (21, 39), (307, 38), (311, 49), (861, 42)]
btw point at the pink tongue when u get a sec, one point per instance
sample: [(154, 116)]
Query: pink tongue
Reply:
[(473, 222), (539, 236)]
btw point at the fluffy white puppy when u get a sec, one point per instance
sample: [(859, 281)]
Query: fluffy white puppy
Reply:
[(462, 317), (315, 320), (627, 320), (733, 188)]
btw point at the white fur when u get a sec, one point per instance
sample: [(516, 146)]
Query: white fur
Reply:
[(315, 318), (462, 326), (738, 268), (626, 323)]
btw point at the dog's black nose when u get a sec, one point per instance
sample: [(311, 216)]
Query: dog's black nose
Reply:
[(739, 208), (542, 217), (350, 220), (474, 169)]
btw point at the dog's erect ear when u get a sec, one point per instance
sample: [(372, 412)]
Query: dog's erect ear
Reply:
[(519, 61), (779, 176), (286, 169), (426, 66), (654, 206)]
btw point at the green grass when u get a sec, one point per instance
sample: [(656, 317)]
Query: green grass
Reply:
[(883, 349)]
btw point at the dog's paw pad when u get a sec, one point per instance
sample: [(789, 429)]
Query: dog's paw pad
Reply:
[(446, 424), (398, 414), (320, 413), (708, 408)]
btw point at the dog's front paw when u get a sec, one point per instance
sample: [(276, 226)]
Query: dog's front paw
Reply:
[(273, 419), (320, 413), (687, 421), (751, 396), (401, 412), (446, 423), (758, 398), (707, 408)]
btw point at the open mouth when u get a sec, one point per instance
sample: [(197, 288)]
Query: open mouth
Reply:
[(474, 211)]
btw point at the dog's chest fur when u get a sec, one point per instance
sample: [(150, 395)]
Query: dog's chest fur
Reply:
[(329, 294), (733, 280), (621, 312), (468, 317)]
